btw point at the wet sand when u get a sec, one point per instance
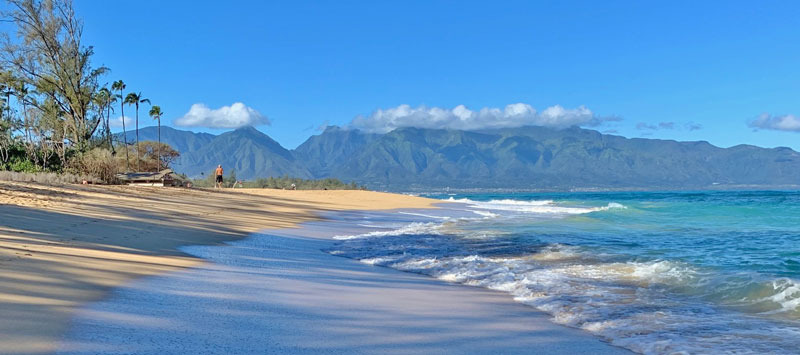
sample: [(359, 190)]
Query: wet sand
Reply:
[(280, 292), (66, 246)]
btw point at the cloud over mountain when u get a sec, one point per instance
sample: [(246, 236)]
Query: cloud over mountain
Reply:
[(462, 118), (117, 122), (776, 123), (233, 116)]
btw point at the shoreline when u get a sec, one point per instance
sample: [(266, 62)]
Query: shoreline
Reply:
[(277, 290), (62, 247)]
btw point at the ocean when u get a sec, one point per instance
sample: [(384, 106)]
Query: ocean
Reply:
[(653, 272)]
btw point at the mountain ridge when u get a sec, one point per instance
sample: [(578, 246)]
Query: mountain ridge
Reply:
[(530, 157)]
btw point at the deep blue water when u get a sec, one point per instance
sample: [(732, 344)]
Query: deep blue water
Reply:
[(656, 272)]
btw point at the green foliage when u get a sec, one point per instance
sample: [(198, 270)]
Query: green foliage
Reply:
[(16, 159), (49, 56), (22, 166), (22, 159), (208, 179), (54, 113), (281, 183), (155, 112), (286, 183)]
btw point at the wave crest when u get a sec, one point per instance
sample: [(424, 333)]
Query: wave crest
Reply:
[(533, 206)]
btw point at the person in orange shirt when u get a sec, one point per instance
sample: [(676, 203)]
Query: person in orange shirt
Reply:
[(218, 174)]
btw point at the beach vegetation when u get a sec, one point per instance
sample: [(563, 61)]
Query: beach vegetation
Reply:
[(47, 178), (148, 153), (49, 56), (104, 99), (232, 177), (135, 99), (286, 183), (281, 183), (120, 86), (55, 112), (156, 113), (100, 163)]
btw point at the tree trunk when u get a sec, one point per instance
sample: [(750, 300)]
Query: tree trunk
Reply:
[(124, 133), (31, 147), (158, 160), (138, 153), (108, 129)]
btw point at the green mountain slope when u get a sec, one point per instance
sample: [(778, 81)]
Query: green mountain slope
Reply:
[(182, 141), (251, 153), (523, 158), (332, 149), (536, 157)]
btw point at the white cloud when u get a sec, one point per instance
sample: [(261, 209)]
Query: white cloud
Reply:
[(117, 122), (777, 123), (233, 116), (462, 118)]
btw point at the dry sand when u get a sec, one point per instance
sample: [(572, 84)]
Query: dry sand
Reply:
[(62, 247)]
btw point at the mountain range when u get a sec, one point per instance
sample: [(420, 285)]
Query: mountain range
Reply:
[(519, 158)]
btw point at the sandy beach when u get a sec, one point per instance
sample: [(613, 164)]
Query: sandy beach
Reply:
[(62, 247), (75, 262)]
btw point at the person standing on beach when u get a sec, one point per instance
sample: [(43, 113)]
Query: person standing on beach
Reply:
[(218, 177)]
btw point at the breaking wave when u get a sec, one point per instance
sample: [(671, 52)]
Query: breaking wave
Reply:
[(629, 303), (648, 304), (540, 207), (411, 229)]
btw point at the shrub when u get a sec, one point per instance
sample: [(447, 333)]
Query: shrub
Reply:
[(286, 182), (23, 166), (98, 162), (149, 150), (46, 178)]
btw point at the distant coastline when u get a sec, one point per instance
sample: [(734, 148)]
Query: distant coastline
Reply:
[(423, 191)]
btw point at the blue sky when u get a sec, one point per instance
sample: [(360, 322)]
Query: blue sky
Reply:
[(661, 69)]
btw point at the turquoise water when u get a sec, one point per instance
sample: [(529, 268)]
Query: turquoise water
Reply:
[(655, 272)]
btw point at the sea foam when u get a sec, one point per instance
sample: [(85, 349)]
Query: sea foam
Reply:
[(410, 229), (622, 302), (539, 207), (649, 305)]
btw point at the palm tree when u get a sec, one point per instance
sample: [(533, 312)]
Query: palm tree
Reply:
[(119, 86), (135, 99), (156, 113), (109, 109), (103, 99)]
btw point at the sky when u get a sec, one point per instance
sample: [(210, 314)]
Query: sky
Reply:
[(727, 72)]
